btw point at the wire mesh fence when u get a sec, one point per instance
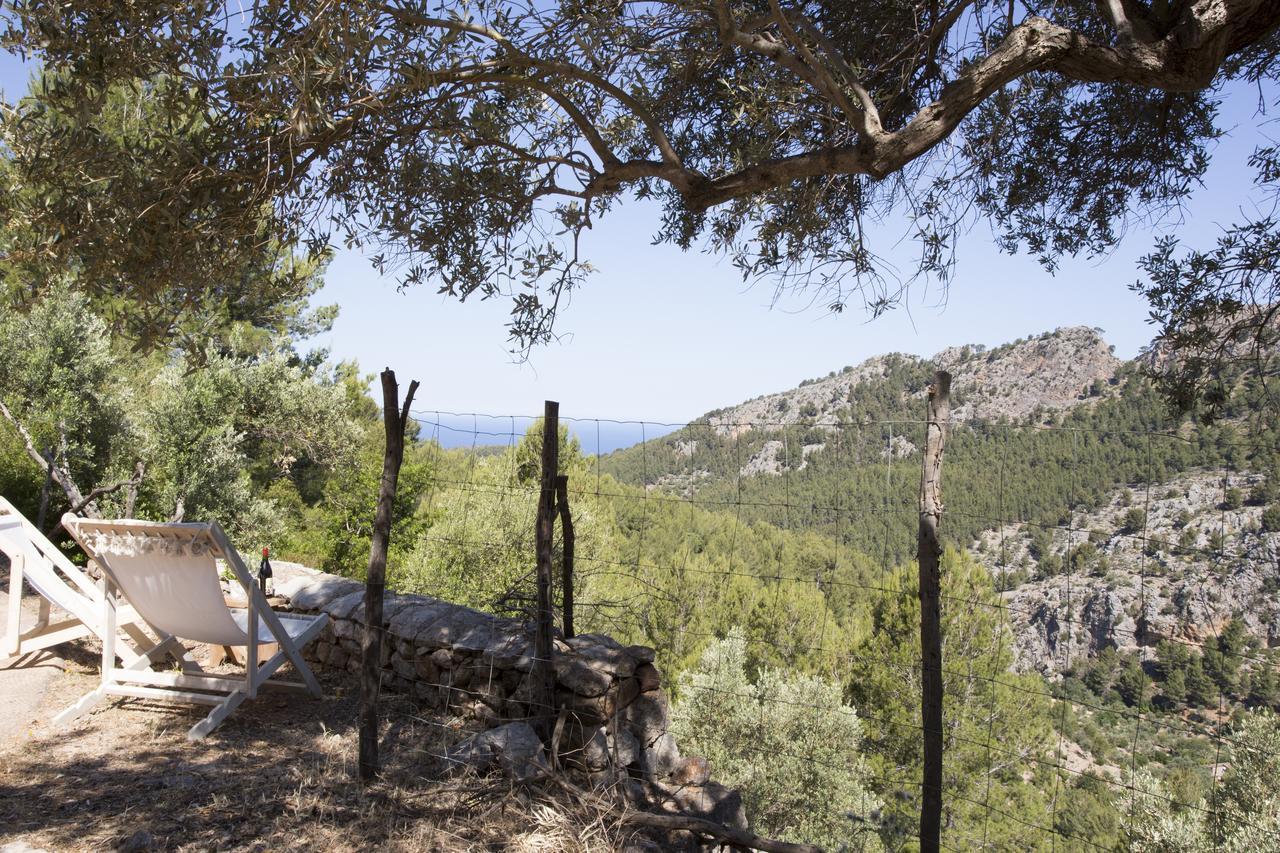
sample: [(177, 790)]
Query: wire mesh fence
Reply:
[(1108, 602)]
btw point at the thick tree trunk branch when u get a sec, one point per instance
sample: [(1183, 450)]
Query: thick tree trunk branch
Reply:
[(1186, 56), (60, 475), (1187, 59)]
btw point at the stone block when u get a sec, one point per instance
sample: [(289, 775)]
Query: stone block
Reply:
[(511, 679), (649, 677), (426, 670), (642, 654), (713, 802), (605, 749), (506, 650), (344, 606), (409, 621), (514, 748), (402, 667), (648, 717), (578, 675), (460, 628), (603, 654), (660, 759), (427, 693), (345, 629), (311, 594)]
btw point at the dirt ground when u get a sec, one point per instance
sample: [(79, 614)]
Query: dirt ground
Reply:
[(278, 775), (23, 680)]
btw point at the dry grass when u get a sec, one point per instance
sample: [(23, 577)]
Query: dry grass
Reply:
[(278, 775)]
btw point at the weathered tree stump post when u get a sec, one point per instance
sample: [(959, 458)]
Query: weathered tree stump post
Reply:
[(394, 420), (542, 698), (928, 553), (566, 568)]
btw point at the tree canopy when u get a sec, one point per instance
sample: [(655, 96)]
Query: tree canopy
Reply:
[(472, 143)]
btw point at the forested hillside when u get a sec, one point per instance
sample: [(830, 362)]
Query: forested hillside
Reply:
[(851, 470), (1130, 551)]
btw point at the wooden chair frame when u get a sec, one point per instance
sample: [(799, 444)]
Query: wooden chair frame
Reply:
[(193, 685)]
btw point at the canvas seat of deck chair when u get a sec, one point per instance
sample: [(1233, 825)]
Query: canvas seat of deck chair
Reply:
[(37, 563), (169, 573)]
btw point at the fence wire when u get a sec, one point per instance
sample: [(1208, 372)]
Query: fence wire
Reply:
[(1064, 725)]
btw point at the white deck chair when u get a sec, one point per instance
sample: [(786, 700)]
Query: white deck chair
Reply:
[(169, 573), (39, 563)]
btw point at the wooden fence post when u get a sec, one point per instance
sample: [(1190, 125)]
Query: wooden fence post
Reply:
[(394, 420), (542, 696), (566, 569), (928, 553)]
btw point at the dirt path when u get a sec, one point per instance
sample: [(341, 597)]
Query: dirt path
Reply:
[(278, 775), (24, 682)]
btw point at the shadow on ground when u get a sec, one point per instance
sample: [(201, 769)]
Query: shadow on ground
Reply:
[(279, 774)]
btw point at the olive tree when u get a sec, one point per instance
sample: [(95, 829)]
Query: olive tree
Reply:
[(472, 143)]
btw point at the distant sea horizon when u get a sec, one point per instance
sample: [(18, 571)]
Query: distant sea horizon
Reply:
[(458, 429)]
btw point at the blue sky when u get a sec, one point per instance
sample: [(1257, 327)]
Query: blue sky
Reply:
[(662, 335)]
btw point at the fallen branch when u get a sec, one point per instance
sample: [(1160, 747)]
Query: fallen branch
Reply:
[(669, 822), (727, 834)]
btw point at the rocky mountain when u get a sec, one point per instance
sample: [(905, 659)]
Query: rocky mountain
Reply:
[(1054, 371)]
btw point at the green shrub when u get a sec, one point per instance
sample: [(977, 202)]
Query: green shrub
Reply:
[(1134, 521), (786, 741)]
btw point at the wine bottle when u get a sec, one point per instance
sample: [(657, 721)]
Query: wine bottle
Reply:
[(264, 574)]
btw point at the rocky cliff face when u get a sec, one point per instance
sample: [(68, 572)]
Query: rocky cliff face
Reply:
[(1054, 372), (1187, 570), (819, 400)]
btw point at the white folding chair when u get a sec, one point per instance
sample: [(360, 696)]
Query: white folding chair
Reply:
[(169, 573), (36, 562)]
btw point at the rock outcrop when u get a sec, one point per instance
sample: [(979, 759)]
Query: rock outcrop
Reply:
[(1052, 372)]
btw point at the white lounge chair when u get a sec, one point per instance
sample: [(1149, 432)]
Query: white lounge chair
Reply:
[(169, 573), (38, 563)]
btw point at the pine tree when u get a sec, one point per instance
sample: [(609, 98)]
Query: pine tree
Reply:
[(1175, 687), (1200, 687), (1132, 683)]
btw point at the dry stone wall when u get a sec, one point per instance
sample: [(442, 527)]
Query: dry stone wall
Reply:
[(613, 715)]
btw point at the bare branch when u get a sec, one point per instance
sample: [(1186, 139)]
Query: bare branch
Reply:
[(132, 483)]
